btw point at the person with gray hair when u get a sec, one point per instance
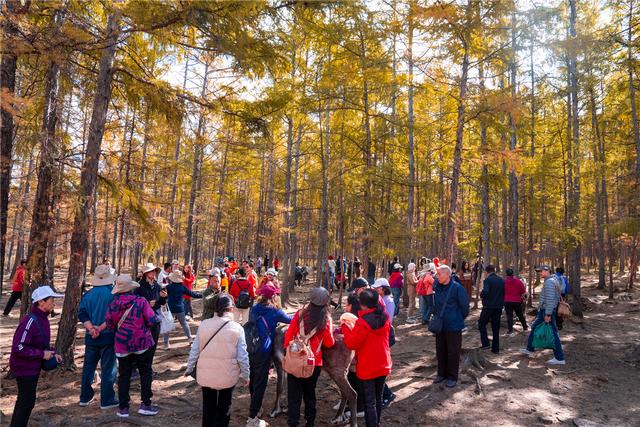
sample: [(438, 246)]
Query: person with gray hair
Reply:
[(452, 306), (547, 313)]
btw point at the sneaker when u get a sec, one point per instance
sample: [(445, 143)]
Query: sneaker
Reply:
[(555, 361), (256, 422), (167, 346), (360, 414), (149, 410), (387, 402), (438, 380), (337, 405), (135, 376), (451, 383), (83, 404), (525, 351), (110, 405), (485, 347), (411, 320), (123, 413)]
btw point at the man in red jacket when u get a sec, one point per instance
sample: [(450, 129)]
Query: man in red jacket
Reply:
[(370, 340), (16, 288)]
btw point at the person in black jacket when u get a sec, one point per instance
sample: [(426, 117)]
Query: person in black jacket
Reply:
[(492, 302), (150, 290)]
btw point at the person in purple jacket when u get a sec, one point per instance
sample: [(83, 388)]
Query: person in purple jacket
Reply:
[(29, 348), (131, 317)]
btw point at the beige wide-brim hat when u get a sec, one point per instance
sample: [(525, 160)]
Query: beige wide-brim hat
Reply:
[(124, 283), (148, 267), (176, 276), (103, 275)]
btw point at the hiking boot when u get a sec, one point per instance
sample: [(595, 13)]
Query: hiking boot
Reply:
[(526, 351), (256, 422), (438, 380), (148, 410), (555, 361), (451, 383), (110, 405), (123, 413)]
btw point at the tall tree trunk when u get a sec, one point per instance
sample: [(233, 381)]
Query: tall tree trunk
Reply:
[(197, 164), (514, 212), (176, 158), (88, 179), (575, 252), (598, 176), (532, 153), (8, 67), (632, 91), (457, 151), (484, 188), (410, 145), (41, 224)]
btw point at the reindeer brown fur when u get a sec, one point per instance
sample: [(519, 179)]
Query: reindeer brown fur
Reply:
[(335, 362)]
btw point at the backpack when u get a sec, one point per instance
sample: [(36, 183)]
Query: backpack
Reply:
[(300, 359), (252, 336), (244, 300)]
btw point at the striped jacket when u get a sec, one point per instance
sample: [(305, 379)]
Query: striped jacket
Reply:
[(550, 296), (29, 342)]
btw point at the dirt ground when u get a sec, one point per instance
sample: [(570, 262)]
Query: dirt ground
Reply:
[(597, 386)]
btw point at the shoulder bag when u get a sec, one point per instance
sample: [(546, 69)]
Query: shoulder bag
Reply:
[(437, 321)]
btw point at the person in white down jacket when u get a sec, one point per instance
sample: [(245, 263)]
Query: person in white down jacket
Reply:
[(219, 358)]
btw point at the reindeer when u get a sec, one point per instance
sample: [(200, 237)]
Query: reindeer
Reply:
[(335, 362)]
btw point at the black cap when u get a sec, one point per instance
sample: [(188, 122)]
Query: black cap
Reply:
[(360, 282), (542, 267)]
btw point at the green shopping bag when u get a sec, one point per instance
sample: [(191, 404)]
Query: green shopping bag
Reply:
[(543, 336)]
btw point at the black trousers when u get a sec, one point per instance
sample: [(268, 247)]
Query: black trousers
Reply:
[(155, 334), (258, 378), (27, 387), (15, 296), (216, 407), (373, 400), (448, 348), (490, 315), (126, 364), (297, 390), (509, 308)]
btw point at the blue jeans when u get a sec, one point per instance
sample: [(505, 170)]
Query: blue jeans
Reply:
[(426, 307), (397, 293), (331, 280), (107, 357), (557, 351)]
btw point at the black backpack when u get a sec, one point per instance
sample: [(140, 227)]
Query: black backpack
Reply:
[(244, 300), (252, 336)]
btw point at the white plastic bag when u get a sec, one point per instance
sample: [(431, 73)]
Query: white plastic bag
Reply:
[(167, 324)]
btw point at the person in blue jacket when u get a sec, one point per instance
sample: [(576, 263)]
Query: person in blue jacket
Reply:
[(453, 311), (98, 342), (175, 291), (267, 315)]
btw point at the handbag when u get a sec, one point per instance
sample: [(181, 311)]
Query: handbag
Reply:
[(563, 307), (51, 363), (195, 365), (437, 321), (166, 320)]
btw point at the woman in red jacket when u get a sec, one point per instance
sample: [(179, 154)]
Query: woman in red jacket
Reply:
[(514, 290), (188, 279), (316, 316), (370, 340)]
